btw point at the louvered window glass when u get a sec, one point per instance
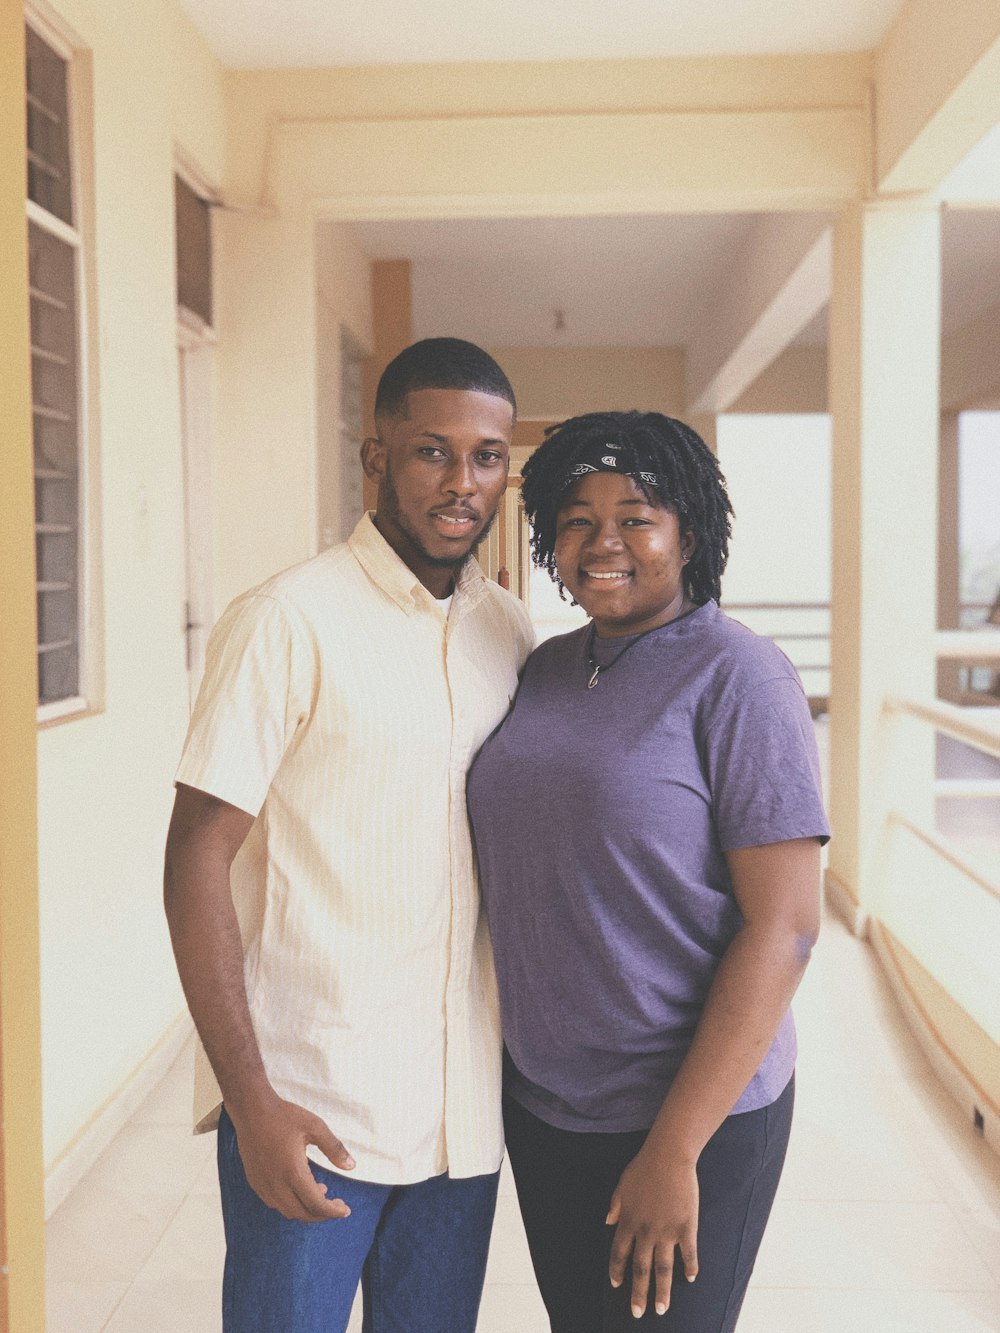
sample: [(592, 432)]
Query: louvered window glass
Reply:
[(53, 258)]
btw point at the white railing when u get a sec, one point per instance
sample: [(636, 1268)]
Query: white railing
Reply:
[(800, 629), (935, 917)]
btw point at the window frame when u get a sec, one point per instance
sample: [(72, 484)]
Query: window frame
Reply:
[(84, 702)]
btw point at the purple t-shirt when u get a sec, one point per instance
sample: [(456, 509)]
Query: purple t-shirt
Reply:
[(601, 819)]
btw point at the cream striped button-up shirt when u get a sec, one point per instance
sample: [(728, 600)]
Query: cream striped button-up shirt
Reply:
[(342, 709)]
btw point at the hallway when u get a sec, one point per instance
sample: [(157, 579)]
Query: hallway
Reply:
[(888, 1220)]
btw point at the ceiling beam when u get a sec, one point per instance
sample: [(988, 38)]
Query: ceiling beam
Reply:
[(937, 91), (559, 166), (777, 284)]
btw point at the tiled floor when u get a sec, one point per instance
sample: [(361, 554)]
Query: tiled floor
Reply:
[(888, 1219)]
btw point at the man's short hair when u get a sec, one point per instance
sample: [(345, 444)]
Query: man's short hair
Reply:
[(440, 363)]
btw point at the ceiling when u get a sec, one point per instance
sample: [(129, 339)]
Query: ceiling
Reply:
[(619, 281), (597, 281), (614, 281), (264, 34)]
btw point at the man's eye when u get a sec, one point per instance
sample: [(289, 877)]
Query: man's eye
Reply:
[(490, 456), (431, 451)]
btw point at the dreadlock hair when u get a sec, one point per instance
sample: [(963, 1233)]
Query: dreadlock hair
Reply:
[(692, 484), (439, 363)]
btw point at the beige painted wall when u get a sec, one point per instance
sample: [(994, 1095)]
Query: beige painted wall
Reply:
[(556, 382), (343, 306), (795, 382), (108, 985)]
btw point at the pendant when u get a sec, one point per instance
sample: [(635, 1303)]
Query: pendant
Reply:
[(593, 680)]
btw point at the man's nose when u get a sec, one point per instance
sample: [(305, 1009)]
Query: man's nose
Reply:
[(461, 478)]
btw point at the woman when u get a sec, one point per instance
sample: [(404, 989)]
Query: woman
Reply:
[(648, 822)]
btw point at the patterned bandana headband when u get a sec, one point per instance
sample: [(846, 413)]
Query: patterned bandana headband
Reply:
[(607, 457)]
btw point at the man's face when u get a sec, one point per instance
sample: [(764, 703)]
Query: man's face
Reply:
[(441, 469)]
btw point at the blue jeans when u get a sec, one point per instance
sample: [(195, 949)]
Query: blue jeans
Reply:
[(419, 1252)]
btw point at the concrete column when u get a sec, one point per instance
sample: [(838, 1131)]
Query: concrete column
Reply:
[(22, 1234), (884, 391)]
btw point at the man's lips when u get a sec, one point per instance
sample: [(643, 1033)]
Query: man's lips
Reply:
[(457, 520), (606, 575)]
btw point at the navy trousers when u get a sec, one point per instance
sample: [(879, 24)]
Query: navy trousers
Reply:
[(564, 1185)]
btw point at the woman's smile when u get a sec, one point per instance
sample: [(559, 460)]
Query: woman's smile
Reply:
[(621, 555)]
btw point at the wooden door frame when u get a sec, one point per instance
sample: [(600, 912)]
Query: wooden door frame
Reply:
[(195, 343), (22, 1207)]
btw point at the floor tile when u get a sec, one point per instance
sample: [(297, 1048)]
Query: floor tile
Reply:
[(509, 1260), (171, 1101), (80, 1307), (169, 1307), (887, 1246), (153, 1160), (193, 1247), (768, 1310), (100, 1236), (512, 1308)]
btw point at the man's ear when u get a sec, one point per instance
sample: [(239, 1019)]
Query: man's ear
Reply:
[(373, 453), (689, 544)]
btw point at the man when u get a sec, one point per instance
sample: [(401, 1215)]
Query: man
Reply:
[(321, 892)]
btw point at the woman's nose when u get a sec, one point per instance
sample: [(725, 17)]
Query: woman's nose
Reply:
[(605, 536)]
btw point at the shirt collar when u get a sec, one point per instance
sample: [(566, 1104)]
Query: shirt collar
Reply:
[(384, 567)]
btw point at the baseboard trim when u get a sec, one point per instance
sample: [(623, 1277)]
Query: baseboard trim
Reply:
[(844, 904), (75, 1161), (955, 1077)]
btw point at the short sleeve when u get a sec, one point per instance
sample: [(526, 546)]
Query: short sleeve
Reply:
[(763, 768), (251, 700)]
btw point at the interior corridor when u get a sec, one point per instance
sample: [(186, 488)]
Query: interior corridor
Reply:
[(888, 1219)]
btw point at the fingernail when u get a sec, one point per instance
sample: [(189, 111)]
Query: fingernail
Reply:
[(691, 1276), (637, 1311), (607, 1220), (349, 1162), (660, 1308), (616, 1282)]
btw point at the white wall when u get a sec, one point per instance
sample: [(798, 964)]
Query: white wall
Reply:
[(108, 985), (778, 473)]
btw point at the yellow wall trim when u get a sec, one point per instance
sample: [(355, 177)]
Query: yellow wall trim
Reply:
[(22, 1233)]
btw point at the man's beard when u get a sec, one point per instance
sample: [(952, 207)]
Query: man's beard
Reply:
[(389, 503)]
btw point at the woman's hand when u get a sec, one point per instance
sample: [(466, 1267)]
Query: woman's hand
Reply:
[(654, 1210)]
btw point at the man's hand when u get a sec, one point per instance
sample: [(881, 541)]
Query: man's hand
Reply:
[(272, 1139), (655, 1207)]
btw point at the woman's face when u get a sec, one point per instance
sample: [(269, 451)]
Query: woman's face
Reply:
[(621, 557)]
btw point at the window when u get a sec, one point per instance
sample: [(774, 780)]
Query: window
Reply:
[(194, 251), (53, 268)]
